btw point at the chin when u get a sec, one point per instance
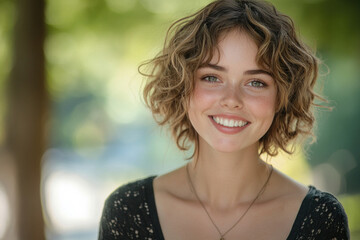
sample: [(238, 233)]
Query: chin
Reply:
[(230, 148)]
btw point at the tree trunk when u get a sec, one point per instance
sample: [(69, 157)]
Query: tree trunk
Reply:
[(26, 115)]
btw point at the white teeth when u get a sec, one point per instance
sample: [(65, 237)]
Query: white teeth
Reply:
[(229, 123)]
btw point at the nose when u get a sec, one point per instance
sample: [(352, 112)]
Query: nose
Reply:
[(231, 98)]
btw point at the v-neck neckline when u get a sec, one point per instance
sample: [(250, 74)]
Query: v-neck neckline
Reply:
[(150, 195)]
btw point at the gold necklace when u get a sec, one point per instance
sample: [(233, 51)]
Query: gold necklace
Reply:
[(222, 235)]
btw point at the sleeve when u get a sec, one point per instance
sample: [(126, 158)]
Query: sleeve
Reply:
[(332, 221), (125, 214), (109, 221)]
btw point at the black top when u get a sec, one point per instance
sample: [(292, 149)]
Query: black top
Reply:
[(130, 213)]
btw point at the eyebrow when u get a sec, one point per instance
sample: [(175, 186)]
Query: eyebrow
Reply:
[(223, 69)]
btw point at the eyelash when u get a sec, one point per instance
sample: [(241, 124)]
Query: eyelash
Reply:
[(261, 83), (206, 79), (257, 81)]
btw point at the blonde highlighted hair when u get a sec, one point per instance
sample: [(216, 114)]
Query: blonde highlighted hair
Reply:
[(191, 42)]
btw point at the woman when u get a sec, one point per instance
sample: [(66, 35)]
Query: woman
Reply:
[(235, 81)]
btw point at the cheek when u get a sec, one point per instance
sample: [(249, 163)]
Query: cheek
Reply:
[(200, 101), (263, 106), (202, 98)]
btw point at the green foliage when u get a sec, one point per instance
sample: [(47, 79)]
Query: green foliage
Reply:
[(330, 27), (352, 207), (6, 26), (93, 49)]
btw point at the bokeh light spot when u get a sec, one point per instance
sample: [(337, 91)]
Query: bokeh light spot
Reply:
[(4, 212)]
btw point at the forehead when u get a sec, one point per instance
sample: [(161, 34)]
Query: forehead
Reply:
[(236, 53), (235, 43), (235, 50), (230, 41)]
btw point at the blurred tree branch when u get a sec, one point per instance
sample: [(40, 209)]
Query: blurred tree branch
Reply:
[(26, 115)]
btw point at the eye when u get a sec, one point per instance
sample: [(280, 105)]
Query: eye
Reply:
[(210, 79), (257, 84)]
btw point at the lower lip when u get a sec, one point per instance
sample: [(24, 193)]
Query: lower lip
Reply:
[(228, 130)]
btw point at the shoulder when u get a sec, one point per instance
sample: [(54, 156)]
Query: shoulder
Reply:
[(321, 216), (130, 193), (325, 206), (171, 184), (126, 209)]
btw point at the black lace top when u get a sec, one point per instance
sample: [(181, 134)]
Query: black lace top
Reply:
[(130, 213)]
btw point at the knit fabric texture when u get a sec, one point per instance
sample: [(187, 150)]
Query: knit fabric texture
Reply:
[(130, 213)]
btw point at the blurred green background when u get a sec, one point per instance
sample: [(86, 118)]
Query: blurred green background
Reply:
[(100, 135)]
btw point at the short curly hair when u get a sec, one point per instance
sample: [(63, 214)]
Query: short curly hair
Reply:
[(191, 42)]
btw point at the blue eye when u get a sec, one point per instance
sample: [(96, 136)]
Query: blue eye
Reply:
[(211, 79), (257, 84)]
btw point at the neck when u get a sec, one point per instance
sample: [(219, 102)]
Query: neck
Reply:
[(224, 180)]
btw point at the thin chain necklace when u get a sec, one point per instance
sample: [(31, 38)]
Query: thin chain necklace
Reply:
[(222, 235)]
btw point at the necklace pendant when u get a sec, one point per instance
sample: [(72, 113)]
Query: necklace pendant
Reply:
[(222, 238)]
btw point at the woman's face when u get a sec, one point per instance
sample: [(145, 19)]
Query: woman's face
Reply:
[(233, 103)]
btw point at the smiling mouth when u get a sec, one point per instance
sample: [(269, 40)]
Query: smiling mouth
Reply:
[(229, 122)]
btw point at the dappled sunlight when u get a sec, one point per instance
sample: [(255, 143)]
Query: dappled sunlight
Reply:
[(121, 6), (352, 207), (64, 18), (295, 165), (70, 202), (75, 185), (123, 103), (100, 134), (161, 6), (91, 132), (330, 175), (327, 178), (4, 212)]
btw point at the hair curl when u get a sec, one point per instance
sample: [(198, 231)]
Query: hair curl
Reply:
[(191, 41)]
